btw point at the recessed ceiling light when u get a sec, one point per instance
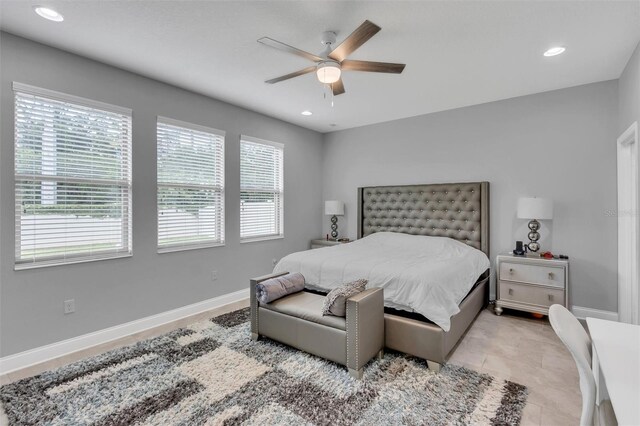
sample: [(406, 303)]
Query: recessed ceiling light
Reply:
[(554, 51), (306, 112), (48, 13)]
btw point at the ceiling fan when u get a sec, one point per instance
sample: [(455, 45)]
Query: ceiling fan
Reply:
[(330, 63)]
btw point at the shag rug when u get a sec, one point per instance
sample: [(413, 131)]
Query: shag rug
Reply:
[(212, 373)]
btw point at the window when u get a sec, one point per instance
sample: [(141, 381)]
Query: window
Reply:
[(190, 186), (72, 178), (261, 189)]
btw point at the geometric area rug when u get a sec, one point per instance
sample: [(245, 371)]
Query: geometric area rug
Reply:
[(212, 373)]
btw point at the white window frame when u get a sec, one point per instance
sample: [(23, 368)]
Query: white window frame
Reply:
[(220, 190), (280, 146), (127, 233)]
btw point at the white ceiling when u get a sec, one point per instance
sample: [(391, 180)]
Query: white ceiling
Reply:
[(457, 53)]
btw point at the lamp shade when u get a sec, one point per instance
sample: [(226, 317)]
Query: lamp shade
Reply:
[(334, 207), (535, 208)]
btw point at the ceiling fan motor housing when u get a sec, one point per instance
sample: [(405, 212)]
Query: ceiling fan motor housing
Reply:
[(328, 38)]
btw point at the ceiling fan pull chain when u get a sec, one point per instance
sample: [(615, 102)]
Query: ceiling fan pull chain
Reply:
[(331, 95)]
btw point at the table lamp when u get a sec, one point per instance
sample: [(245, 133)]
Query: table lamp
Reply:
[(535, 209), (334, 208)]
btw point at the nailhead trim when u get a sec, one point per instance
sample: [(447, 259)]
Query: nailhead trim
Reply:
[(347, 332), (256, 305), (357, 347)]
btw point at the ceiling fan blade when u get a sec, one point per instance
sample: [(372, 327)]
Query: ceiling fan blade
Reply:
[(356, 39), (368, 66), (290, 49), (303, 71), (338, 88)]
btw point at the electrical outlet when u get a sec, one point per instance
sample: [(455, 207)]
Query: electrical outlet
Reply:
[(274, 261), (69, 306), (214, 275)]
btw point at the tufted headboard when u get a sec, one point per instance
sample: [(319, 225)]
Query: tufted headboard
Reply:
[(455, 210)]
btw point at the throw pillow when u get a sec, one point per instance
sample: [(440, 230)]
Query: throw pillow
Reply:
[(336, 301)]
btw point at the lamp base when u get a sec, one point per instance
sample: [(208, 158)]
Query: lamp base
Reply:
[(534, 236), (334, 227)]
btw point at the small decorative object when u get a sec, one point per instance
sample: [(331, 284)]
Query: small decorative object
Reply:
[(519, 250), (535, 209), (334, 208), (547, 255)]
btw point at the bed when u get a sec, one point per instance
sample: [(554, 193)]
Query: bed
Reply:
[(454, 269)]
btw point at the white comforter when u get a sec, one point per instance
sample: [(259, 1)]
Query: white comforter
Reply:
[(428, 275)]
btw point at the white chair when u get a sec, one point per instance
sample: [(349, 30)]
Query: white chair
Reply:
[(576, 339)]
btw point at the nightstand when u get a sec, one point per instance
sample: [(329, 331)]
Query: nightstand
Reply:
[(325, 243), (531, 284)]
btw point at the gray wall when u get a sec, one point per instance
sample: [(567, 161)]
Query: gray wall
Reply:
[(558, 144), (116, 291), (629, 93)]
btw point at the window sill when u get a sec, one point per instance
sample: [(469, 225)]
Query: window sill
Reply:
[(162, 250), (257, 239), (63, 262)]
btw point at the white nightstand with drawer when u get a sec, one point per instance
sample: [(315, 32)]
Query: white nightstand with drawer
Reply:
[(531, 284), (319, 243)]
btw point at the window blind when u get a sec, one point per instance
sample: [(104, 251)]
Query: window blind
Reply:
[(72, 178), (190, 186), (261, 189)]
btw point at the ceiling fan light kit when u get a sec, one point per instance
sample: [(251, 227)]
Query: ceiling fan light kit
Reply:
[(328, 72), (330, 64)]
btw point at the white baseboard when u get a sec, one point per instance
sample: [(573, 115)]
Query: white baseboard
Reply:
[(582, 313), (44, 353)]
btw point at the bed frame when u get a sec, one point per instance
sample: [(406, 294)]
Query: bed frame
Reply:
[(455, 210)]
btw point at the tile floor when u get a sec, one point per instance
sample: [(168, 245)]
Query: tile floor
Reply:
[(513, 346), (527, 351)]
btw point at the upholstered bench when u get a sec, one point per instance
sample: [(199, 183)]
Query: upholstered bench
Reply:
[(297, 320)]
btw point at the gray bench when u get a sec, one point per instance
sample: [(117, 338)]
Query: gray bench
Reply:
[(296, 320)]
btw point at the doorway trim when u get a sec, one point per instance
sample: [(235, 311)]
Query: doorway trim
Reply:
[(628, 214)]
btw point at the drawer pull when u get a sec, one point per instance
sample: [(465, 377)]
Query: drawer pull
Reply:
[(510, 291), (551, 275), (551, 297), (511, 270)]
